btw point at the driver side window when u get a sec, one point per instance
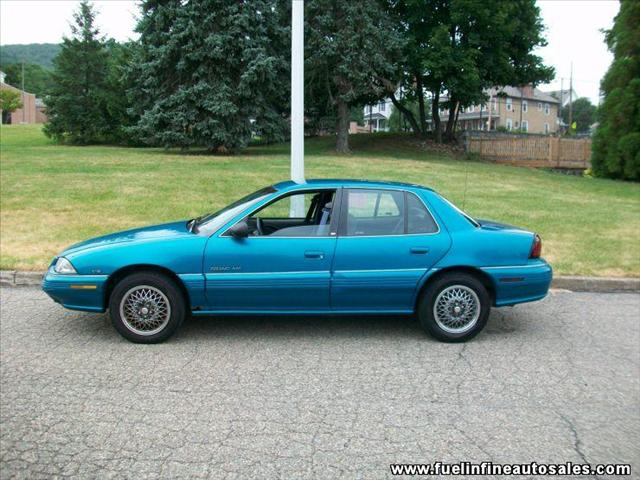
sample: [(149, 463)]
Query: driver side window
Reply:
[(304, 214)]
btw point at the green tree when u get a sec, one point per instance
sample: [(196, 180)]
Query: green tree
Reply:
[(37, 79), (117, 111), (10, 100), (349, 47), (76, 109), (209, 73), (583, 113), (616, 143), (458, 48), (397, 121)]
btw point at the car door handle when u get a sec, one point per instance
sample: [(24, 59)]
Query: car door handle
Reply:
[(419, 250), (314, 254)]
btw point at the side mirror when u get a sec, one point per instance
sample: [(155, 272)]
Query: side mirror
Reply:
[(239, 230)]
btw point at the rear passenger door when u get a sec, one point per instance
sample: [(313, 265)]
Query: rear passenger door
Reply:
[(387, 241)]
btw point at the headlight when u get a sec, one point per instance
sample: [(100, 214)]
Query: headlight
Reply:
[(64, 266)]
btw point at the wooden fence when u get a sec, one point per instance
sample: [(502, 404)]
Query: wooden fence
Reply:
[(531, 150)]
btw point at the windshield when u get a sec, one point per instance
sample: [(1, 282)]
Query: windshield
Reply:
[(213, 221)]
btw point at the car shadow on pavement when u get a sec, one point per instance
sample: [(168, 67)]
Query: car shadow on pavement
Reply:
[(502, 322), (292, 327)]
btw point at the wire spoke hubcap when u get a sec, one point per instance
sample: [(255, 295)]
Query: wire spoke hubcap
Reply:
[(145, 310), (456, 309)]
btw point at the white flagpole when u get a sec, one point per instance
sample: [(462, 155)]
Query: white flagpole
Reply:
[(296, 209), (297, 91)]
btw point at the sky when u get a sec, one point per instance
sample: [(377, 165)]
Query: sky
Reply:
[(573, 32)]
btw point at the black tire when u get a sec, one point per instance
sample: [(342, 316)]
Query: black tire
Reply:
[(435, 328), (157, 282)]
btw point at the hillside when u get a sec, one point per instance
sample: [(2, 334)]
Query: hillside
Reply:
[(37, 53)]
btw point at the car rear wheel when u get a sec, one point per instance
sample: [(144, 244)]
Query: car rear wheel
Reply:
[(454, 308), (146, 307)]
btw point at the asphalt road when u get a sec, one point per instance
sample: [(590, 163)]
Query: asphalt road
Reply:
[(553, 381)]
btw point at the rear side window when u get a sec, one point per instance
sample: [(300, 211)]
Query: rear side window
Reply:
[(419, 220), (374, 212)]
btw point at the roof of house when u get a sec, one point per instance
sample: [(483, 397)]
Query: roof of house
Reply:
[(517, 92)]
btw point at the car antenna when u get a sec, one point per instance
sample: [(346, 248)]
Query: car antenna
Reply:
[(466, 181)]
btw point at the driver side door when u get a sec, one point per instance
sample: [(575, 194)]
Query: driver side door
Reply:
[(284, 265)]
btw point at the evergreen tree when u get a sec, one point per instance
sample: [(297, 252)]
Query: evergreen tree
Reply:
[(209, 73), (76, 104), (616, 143), (349, 47)]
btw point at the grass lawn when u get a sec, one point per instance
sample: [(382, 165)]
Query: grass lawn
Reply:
[(54, 195)]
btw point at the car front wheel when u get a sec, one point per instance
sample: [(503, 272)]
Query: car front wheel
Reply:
[(146, 307), (454, 308)]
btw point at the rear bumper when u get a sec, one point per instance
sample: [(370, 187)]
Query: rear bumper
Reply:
[(520, 284), (76, 292)]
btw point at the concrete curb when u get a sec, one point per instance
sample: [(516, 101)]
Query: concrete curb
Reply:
[(12, 278)]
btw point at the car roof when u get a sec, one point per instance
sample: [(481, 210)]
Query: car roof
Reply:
[(344, 182)]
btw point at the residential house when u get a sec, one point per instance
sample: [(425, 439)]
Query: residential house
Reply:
[(32, 110), (525, 109), (376, 117), (564, 96)]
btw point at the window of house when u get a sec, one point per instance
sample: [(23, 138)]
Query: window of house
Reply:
[(525, 106), (509, 105), (419, 220), (509, 124), (539, 106), (547, 109), (525, 126), (494, 104), (374, 212), (382, 106), (546, 128)]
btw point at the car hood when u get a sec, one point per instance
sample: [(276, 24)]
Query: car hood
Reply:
[(151, 233)]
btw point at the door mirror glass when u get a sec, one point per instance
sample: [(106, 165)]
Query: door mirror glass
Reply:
[(239, 230)]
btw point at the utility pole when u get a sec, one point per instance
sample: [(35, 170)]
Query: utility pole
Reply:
[(24, 107), (521, 99), (571, 98), (296, 209), (560, 109)]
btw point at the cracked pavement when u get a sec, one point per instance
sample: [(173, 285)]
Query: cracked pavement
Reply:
[(316, 397)]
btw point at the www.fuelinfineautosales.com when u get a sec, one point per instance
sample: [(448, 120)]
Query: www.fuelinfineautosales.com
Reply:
[(489, 468)]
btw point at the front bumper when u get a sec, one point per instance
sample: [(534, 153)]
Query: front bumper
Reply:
[(520, 284), (76, 292)]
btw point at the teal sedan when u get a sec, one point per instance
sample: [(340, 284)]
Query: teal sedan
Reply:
[(344, 247)]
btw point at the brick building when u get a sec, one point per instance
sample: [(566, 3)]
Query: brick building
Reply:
[(32, 111)]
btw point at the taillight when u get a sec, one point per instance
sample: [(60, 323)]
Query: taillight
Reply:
[(536, 249)]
